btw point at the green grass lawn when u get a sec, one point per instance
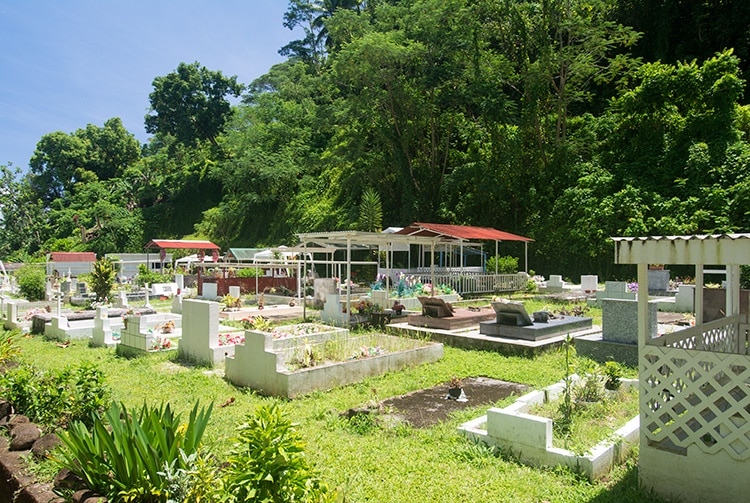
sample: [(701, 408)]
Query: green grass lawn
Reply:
[(381, 464)]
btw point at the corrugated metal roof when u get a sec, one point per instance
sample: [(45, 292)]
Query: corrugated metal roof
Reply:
[(460, 232), (245, 253), (715, 249), (700, 237), (181, 244), (72, 257)]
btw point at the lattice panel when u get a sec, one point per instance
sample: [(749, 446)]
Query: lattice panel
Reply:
[(721, 339), (698, 398)]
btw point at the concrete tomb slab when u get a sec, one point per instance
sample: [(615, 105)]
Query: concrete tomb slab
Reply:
[(513, 321), (435, 307)]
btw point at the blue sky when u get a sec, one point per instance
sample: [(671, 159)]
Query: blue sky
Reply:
[(68, 63)]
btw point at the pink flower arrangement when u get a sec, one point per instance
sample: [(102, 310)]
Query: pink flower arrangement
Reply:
[(365, 351), (297, 330), (231, 339), (161, 343)]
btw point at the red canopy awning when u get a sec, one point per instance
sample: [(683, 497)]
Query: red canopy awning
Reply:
[(181, 244), (460, 232)]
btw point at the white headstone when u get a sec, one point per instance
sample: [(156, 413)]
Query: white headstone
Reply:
[(210, 291), (121, 300), (234, 291), (102, 334), (200, 329), (589, 283), (180, 280)]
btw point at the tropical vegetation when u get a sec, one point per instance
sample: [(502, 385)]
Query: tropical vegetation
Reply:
[(567, 121)]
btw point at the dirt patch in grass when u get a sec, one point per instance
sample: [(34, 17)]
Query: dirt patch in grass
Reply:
[(426, 407)]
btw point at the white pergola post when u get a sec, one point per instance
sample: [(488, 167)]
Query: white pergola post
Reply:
[(698, 294), (432, 268), (348, 280), (643, 334)]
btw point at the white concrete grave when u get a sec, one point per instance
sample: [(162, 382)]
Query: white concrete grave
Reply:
[(11, 314), (164, 289), (179, 279), (62, 329), (106, 332), (121, 300), (555, 284), (147, 333), (234, 291), (260, 363), (684, 301), (201, 331), (530, 437), (177, 304), (589, 283), (210, 291)]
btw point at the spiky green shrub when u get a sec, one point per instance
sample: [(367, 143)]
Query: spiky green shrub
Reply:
[(268, 463), (123, 454), (103, 276)]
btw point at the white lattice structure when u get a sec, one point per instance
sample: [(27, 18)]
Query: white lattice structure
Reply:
[(695, 383)]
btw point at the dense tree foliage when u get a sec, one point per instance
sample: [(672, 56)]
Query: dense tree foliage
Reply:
[(567, 121)]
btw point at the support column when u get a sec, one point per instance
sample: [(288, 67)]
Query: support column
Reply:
[(698, 301), (642, 304)]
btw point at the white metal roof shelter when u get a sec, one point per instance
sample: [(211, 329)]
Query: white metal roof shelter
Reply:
[(730, 250), (355, 238), (694, 389)]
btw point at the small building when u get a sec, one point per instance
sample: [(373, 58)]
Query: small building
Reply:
[(70, 263), (127, 264)]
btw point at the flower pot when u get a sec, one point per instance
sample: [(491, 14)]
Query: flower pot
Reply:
[(455, 393)]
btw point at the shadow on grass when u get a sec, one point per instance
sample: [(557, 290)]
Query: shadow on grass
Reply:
[(627, 490)]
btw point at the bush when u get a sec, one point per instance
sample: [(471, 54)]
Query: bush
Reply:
[(249, 272), (505, 265), (31, 281), (124, 455), (56, 398), (145, 276), (267, 463), (103, 276)]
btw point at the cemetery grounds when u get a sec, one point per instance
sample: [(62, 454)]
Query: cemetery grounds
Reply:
[(375, 459)]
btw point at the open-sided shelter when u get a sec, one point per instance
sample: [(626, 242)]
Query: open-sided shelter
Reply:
[(694, 383)]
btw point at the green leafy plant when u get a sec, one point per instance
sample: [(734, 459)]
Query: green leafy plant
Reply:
[(613, 372), (123, 454), (249, 272), (31, 279), (268, 463), (145, 276), (566, 403), (9, 348), (503, 265), (590, 388), (103, 277), (231, 302), (56, 397)]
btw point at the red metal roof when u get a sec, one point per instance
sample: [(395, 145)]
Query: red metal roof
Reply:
[(460, 232), (182, 244), (72, 256)]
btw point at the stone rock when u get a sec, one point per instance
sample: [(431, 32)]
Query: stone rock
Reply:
[(45, 444), (16, 420), (23, 436), (88, 496), (65, 479), (6, 409)]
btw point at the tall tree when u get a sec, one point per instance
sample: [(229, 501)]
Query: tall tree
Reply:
[(191, 103), (312, 15)]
